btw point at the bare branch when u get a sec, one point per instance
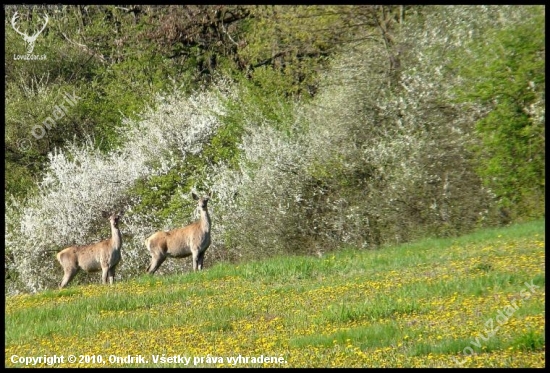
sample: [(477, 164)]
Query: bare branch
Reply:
[(229, 36), (97, 55)]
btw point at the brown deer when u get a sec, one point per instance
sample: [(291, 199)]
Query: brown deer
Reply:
[(103, 255), (193, 240)]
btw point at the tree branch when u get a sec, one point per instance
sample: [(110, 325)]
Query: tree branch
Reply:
[(97, 55)]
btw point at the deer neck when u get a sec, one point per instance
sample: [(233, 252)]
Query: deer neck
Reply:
[(205, 221), (116, 237)]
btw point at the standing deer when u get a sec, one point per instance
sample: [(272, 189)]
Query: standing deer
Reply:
[(193, 240), (103, 255)]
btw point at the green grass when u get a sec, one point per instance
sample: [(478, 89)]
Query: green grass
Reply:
[(424, 304)]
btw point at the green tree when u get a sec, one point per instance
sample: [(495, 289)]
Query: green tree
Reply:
[(506, 75)]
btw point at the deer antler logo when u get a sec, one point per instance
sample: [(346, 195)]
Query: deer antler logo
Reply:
[(30, 40)]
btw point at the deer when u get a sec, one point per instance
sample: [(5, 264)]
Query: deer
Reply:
[(103, 255), (191, 240)]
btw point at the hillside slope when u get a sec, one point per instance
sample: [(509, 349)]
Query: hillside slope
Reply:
[(475, 301)]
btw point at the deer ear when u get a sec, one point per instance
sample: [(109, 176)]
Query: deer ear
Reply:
[(195, 197)]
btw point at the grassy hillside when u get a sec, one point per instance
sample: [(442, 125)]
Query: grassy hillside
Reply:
[(476, 301)]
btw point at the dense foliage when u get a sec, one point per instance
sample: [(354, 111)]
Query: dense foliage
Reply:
[(313, 127)]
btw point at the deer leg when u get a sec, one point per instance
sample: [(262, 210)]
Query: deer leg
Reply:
[(105, 274), (195, 260), (156, 261), (111, 275), (69, 274), (200, 260)]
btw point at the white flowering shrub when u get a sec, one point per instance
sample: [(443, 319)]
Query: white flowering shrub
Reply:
[(258, 206), (392, 151), (384, 158), (177, 125)]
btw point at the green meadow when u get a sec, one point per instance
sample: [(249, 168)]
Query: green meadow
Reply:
[(473, 301)]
